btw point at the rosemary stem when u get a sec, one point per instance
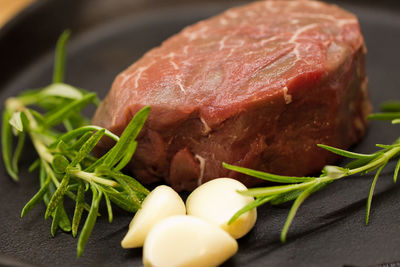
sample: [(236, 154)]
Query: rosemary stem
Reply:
[(89, 177), (51, 174), (268, 191), (107, 132), (378, 162), (67, 166), (41, 149), (14, 104), (17, 104)]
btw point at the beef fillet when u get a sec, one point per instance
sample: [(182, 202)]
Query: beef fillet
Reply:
[(257, 86)]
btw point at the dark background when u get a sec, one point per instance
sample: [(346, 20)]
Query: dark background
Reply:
[(35, 30), (108, 36)]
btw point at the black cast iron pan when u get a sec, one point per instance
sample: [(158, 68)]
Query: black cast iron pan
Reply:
[(108, 36)]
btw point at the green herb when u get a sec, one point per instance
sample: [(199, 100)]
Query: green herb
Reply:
[(66, 166), (299, 188)]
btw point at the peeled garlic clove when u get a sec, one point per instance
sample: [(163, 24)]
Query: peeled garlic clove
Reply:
[(181, 241), (217, 201), (161, 203)]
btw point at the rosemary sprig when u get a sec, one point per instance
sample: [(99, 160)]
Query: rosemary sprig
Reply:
[(297, 189), (390, 111), (66, 166)]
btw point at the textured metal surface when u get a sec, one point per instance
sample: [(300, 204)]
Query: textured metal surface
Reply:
[(108, 36)]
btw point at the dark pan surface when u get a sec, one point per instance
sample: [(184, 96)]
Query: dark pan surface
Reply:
[(108, 36)]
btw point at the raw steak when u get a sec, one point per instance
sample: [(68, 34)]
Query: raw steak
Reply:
[(257, 86)]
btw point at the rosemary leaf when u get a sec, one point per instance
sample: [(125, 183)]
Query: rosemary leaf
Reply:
[(59, 60), (267, 176), (36, 198), (371, 193), (98, 164), (79, 143), (254, 204), (16, 121), (121, 199), (56, 219), (18, 150), (34, 165), (127, 157), (391, 106), (384, 116), (6, 144), (396, 171), (69, 136), (87, 147), (64, 223), (294, 194), (109, 208), (388, 146), (73, 197), (80, 200), (273, 190), (129, 191), (61, 90), (362, 162), (63, 113), (345, 153), (57, 196), (131, 182), (286, 197), (68, 125), (296, 205), (38, 117), (60, 163), (129, 135), (90, 221)]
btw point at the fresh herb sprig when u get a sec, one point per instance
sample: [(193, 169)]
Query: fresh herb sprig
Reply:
[(66, 165), (297, 189), (390, 112)]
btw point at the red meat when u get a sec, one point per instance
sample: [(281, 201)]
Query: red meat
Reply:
[(257, 86)]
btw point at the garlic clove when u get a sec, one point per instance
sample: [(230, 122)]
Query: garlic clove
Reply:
[(181, 241), (217, 201), (161, 203)]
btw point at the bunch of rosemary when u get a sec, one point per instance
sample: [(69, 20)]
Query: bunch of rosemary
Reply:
[(66, 166), (299, 188)]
